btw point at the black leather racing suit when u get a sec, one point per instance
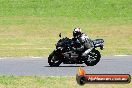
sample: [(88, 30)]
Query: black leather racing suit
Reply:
[(83, 42)]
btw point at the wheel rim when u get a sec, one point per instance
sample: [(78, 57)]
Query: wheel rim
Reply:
[(54, 60), (92, 57)]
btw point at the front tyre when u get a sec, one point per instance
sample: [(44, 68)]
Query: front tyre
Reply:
[(93, 58), (54, 60)]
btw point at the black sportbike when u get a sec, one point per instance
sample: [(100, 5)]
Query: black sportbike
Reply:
[(65, 54)]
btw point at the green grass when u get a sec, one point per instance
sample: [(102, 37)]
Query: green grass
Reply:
[(31, 27), (50, 82), (94, 9)]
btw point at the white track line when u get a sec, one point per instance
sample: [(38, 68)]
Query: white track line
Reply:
[(121, 55)]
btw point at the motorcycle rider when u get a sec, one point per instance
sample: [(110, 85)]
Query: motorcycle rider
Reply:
[(83, 42)]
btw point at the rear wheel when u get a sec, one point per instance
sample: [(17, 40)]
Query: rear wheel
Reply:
[(54, 60), (93, 58)]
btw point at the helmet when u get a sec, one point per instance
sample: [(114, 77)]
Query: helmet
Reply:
[(77, 32)]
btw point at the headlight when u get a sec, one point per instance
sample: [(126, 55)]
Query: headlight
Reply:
[(60, 48)]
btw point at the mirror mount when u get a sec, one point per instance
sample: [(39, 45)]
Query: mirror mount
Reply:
[(60, 35)]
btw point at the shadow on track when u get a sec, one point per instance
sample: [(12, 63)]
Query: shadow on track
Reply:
[(67, 66)]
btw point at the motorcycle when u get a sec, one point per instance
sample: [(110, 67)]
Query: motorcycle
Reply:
[(64, 53)]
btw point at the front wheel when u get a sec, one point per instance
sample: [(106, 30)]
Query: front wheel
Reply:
[(93, 58), (54, 60)]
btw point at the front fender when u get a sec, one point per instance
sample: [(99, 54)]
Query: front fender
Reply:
[(57, 53)]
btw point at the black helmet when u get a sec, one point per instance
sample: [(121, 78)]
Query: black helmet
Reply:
[(77, 32)]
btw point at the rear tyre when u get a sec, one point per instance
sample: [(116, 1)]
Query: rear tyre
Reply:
[(93, 58), (54, 60)]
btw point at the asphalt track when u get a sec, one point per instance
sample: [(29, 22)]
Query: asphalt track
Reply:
[(32, 66)]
